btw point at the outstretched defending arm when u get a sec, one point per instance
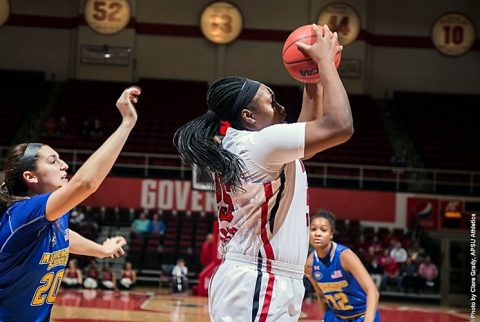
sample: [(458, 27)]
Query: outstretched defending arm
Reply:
[(89, 177), (111, 247)]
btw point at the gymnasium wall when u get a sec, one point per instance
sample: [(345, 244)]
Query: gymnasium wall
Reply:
[(47, 35), (373, 208), (27, 45)]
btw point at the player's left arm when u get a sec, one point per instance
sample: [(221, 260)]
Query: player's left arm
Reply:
[(312, 102), (312, 105), (111, 247), (351, 263)]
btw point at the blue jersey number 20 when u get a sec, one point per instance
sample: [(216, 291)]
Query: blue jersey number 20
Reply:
[(49, 288)]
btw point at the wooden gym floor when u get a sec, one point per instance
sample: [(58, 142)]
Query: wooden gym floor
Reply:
[(145, 305)]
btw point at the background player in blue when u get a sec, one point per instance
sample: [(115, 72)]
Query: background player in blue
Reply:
[(34, 237), (338, 276)]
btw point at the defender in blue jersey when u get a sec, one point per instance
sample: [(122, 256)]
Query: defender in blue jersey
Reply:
[(338, 276), (36, 198)]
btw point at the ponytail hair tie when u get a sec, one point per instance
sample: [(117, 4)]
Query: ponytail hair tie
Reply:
[(212, 113)]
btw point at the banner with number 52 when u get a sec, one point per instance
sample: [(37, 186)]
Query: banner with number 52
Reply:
[(107, 16)]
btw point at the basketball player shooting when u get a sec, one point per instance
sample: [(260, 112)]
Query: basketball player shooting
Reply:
[(261, 184)]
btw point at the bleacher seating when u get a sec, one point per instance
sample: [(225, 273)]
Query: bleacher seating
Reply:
[(369, 144), (153, 256), (183, 238), (444, 127), (86, 100), (167, 104), (19, 90), (163, 107)]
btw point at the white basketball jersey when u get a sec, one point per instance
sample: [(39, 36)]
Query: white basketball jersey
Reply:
[(268, 216)]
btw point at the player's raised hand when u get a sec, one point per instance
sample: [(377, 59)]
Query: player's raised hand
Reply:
[(113, 246), (325, 47), (126, 107)]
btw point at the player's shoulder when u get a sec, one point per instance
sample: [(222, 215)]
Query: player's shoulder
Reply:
[(348, 259), (30, 201), (233, 137), (340, 248), (310, 258)]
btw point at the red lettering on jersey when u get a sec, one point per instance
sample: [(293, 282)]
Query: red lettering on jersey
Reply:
[(227, 233), (224, 201), (225, 210)]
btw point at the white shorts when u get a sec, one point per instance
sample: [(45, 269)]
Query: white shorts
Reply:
[(242, 290)]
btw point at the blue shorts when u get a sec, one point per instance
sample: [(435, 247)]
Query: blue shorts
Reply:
[(330, 317)]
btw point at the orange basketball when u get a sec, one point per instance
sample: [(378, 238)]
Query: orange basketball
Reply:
[(299, 65)]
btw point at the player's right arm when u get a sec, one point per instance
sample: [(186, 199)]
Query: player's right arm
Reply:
[(89, 177), (336, 124)]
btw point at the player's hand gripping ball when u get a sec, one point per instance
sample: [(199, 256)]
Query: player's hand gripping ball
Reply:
[(299, 65)]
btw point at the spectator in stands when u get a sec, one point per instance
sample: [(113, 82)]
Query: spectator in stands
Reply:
[(376, 271), (392, 274), (370, 255), (62, 126), (399, 254), (383, 257), (428, 273), (108, 278), (84, 130), (376, 245), (406, 241), (180, 279), (410, 275), (129, 277), (49, 127), (208, 252), (360, 244), (73, 276), (91, 221), (77, 216), (96, 129), (389, 241), (398, 160), (416, 253), (75, 219), (91, 275), (140, 226), (157, 225)]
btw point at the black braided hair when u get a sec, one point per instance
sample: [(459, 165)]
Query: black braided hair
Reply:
[(194, 140)]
